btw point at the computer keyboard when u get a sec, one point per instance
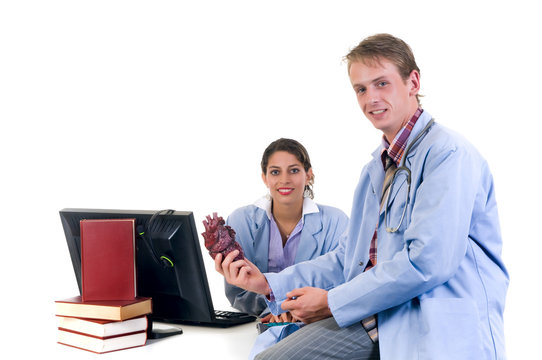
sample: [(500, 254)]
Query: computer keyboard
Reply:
[(222, 314)]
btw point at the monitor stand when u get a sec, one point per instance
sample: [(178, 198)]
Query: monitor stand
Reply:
[(161, 333)]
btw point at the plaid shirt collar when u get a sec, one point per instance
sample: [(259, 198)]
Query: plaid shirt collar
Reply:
[(397, 147)]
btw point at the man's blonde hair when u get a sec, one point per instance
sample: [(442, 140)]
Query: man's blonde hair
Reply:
[(374, 48)]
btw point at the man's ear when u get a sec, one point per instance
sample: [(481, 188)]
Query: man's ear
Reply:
[(414, 81)]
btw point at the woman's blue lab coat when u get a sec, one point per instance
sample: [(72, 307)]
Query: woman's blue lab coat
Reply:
[(439, 285), (322, 228)]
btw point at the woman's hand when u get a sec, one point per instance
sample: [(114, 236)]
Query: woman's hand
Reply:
[(242, 273)]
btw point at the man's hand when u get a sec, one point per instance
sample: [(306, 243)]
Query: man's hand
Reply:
[(307, 304), (284, 317), (242, 273)]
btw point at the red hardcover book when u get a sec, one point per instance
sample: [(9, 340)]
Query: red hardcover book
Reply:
[(108, 269), (104, 309)]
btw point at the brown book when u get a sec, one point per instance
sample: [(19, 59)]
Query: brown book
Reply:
[(101, 344), (108, 270), (105, 310), (102, 328)]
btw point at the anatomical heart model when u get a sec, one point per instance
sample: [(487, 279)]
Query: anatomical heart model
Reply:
[(220, 238)]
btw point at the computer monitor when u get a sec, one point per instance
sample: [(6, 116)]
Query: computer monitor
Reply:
[(169, 263)]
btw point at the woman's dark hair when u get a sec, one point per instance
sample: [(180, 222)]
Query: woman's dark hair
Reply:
[(296, 149)]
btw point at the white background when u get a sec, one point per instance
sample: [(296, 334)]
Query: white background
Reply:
[(169, 104)]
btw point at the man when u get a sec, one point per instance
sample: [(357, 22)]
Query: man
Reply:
[(423, 249)]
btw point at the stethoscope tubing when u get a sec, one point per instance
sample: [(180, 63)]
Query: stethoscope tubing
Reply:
[(403, 167)]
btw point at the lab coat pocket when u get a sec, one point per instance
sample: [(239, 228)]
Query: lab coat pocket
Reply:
[(450, 329)]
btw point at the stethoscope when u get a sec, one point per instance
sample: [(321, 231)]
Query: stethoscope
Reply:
[(406, 170)]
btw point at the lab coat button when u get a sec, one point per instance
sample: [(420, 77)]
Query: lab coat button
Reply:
[(361, 263)]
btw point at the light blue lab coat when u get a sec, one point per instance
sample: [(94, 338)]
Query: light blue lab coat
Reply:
[(322, 228), (439, 285)]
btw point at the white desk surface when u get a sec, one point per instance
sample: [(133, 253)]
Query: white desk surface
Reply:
[(196, 342), (30, 323), (30, 328)]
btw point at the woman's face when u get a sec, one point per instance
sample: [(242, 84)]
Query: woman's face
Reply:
[(286, 178)]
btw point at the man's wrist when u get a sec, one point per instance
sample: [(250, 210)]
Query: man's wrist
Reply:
[(267, 290), (327, 303)]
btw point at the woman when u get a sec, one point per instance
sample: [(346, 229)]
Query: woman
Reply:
[(286, 226)]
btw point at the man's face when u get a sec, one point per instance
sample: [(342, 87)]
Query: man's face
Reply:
[(385, 98)]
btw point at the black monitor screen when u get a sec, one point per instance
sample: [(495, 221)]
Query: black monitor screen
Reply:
[(169, 264)]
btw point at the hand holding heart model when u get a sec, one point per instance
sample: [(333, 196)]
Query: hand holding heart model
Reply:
[(220, 238)]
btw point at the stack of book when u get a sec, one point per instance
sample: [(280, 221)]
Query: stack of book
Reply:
[(103, 326), (108, 316)]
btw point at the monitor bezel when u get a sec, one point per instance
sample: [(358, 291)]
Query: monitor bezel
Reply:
[(166, 308)]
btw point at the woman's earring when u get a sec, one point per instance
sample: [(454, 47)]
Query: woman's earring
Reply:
[(268, 196), (308, 193)]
